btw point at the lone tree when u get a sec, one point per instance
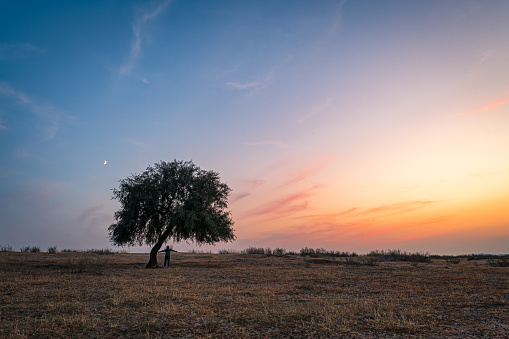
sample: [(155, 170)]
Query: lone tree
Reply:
[(171, 200)]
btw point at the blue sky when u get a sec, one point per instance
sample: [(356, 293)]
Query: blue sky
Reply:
[(350, 125)]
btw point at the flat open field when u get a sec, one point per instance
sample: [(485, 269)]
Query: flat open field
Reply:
[(239, 295)]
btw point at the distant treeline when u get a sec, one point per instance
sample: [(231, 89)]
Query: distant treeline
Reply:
[(383, 255)]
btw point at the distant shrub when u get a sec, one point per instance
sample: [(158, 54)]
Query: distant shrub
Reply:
[(369, 261), (483, 256), (6, 248), (418, 257), (32, 249), (307, 252), (399, 255), (227, 251), (69, 250), (279, 251), (502, 262), (322, 252), (52, 250), (255, 250), (104, 251)]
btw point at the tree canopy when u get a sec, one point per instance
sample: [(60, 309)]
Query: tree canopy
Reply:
[(175, 200)]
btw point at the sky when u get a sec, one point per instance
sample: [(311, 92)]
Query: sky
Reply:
[(344, 125)]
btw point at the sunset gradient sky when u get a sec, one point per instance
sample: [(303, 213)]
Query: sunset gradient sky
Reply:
[(348, 125)]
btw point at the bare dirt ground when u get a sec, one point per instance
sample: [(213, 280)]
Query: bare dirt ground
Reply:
[(238, 296)]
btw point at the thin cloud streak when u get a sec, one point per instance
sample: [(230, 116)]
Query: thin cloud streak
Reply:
[(246, 85), (492, 106), (137, 29), (327, 216), (238, 196), (277, 143), (19, 51), (317, 109), (397, 208), (52, 116), (290, 204), (306, 172), (251, 85)]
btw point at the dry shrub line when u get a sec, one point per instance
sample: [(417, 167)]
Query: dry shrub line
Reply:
[(104, 251), (399, 255), (33, 249), (87, 263), (322, 252), (502, 262)]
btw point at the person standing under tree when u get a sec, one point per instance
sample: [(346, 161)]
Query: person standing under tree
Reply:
[(167, 252)]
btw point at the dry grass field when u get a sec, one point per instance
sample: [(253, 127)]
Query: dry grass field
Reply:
[(238, 296)]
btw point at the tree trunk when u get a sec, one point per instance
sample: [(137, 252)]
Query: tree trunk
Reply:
[(152, 263)]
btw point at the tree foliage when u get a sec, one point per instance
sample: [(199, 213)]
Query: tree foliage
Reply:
[(175, 200)]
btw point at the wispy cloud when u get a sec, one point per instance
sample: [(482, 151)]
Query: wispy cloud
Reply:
[(327, 216), (337, 22), (245, 85), (317, 109), (2, 126), (138, 144), (95, 217), (19, 51), (238, 196), (492, 106), (253, 183), (437, 220), (251, 85), (288, 205), (39, 192), (397, 208), (306, 171), (277, 143), (51, 116), (138, 35), (418, 236), (486, 55)]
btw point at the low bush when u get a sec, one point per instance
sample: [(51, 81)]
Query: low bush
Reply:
[(279, 251), (32, 249), (322, 252), (227, 251), (502, 262), (399, 255), (255, 250), (52, 250), (6, 248), (105, 251), (368, 261)]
